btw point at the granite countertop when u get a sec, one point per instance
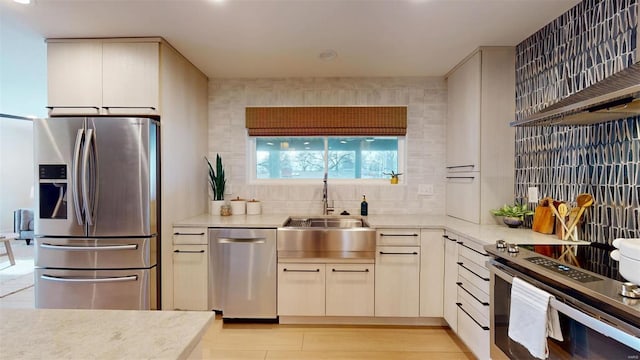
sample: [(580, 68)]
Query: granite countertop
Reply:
[(487, 234), (100, 334)]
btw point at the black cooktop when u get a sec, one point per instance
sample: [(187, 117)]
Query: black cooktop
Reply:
[(594, 258)]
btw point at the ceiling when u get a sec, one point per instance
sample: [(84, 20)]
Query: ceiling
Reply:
[(283, 38)]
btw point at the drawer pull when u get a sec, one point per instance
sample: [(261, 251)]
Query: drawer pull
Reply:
[(473, 296), (193, 234), (471, 271), (397, 253), (295, 270), (353, 271), (382, 234), (89, 248), (129, 107), (89, 279), (459, 166), (472, 249), (189, 251), (72, 107), (448, 238), (460, 177), (474, 320)]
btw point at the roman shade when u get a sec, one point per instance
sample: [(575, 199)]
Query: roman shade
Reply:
[(327, 120)]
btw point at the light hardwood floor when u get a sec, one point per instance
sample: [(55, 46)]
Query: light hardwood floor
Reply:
[(310, 342)]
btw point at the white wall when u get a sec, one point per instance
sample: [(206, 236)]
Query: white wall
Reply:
[(23, 88), (426, 101)]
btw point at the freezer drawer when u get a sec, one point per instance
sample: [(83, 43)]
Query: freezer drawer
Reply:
[(87, 253), (133, 289)]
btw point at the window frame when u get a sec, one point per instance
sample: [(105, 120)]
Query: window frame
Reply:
[(252, 168)]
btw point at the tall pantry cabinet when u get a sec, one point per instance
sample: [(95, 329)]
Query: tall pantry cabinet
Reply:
[(480, 142), (141, 77)]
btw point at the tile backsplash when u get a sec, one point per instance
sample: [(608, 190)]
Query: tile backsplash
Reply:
[(587, 43), (426, 101)]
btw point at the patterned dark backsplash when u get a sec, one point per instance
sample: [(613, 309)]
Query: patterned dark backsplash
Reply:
[(591, 41), (602, 160)]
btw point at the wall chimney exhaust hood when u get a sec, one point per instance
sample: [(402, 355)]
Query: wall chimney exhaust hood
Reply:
[(615, 97)]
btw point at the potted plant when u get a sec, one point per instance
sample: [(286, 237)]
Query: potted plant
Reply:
[(394, 176), (513, 214), (217, 181)]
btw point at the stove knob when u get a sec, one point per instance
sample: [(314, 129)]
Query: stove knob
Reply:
[(501, 244), (513, 248)]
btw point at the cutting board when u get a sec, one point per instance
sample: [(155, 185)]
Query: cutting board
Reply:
[(543, 219)]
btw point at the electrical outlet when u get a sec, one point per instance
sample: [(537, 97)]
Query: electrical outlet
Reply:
[(425, 189), (532, 194)]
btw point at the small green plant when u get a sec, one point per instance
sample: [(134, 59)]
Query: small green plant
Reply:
[(393, 174), (514, 211), (217, 180)]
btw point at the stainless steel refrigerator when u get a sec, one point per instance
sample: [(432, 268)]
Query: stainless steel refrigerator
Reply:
[(97, 214)]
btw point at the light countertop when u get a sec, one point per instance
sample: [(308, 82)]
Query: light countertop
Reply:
[(487, 234), (100, 334)]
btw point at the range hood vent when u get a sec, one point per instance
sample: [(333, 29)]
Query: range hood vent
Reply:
[(616, 97)]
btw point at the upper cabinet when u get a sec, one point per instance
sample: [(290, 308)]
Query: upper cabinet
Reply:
[(480, 142), (463, 116), (103, 77)]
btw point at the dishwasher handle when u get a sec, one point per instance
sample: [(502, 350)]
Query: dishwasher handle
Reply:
[(255, 240)]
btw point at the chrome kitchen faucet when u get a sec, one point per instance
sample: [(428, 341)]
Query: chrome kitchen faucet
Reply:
[(326, 209)]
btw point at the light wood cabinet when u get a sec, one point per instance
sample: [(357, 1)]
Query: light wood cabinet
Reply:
[(301, 289), (431, 273), (480, 151), (450, 290), (103, 76), (397, 284), (350, 289), (191, 272)]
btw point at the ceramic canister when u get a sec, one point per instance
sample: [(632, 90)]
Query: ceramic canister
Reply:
[(237, 206), (253, 207)]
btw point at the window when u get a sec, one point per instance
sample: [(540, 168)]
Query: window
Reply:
[(344, 157)]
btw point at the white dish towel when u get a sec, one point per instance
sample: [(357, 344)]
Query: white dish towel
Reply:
[(531, 318)]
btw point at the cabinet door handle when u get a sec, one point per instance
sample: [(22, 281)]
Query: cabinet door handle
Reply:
[(194, 234), (471, 271), (460, 177), (473, 296), (460, 166), (189, 251), (353, 271), (474, 320), (296, 270), (73, 107), (398, 253), (450, 239), (129, 107), (381, 234), (472, 249)]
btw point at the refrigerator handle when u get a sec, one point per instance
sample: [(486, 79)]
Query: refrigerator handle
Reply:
[(75, 178), (85, 187)]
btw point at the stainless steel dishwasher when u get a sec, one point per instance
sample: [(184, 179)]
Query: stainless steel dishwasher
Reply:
[(244, 272)]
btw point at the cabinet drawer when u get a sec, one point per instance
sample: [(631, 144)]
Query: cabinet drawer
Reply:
[(473, 331), (473, 296), (190, 236), (469, 251), (476, 274), (191, 277), (398, 237)]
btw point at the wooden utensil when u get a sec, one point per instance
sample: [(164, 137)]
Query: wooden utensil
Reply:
[(558, 217), (583, 201), (563, 210)]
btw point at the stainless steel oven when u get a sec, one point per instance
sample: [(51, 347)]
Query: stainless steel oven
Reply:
[(588, 332)]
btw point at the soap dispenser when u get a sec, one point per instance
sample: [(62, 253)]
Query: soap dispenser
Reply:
[(364, 207)]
